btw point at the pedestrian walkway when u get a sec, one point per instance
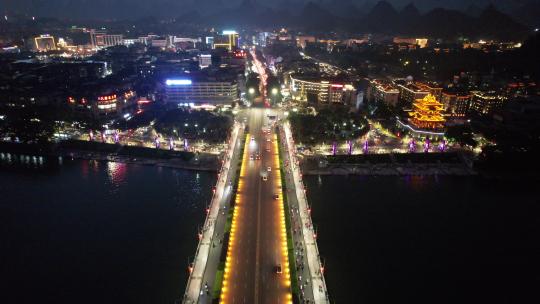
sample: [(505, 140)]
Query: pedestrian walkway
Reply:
[(302, 227), (196, 291)]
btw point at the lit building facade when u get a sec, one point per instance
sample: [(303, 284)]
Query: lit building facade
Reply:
[(100, 39), (456, 105), (486, 103), (322, 91), (107, 106), (409, 92), (301, 41), (228, 40), (384, 92), (427, 114), (205, 60), (44, 43), (185, 91), (420, 42)]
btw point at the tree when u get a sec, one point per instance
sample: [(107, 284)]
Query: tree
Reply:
[(461, 134)]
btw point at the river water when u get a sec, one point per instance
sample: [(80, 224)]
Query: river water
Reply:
[(427, 239), (105, 232), (97, 232)]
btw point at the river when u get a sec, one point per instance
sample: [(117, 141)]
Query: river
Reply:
[(106, 232), (427, 239), (97, 232)]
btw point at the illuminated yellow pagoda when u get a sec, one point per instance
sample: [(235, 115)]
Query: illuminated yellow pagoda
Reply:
[(427, 114)]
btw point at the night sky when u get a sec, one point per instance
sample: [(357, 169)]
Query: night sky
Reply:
[(99, 9)]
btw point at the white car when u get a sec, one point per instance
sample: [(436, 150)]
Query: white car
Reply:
[(269, 169), (265, 178)]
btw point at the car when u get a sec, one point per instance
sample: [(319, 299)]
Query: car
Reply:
[(269, 169), (257, 156), (276, 196), (264, 178), (251, 157), (278, 269)]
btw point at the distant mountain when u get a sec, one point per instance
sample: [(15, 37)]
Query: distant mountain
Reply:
[(315, 17), (318, 15), (383, 17), (493, 23)]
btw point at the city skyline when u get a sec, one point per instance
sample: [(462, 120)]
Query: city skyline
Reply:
[(251, 155)]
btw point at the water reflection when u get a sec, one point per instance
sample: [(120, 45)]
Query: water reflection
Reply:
[(24, 160), (116, 172), (114, 230)]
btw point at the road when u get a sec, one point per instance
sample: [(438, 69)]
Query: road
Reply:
[(257, 244), (261, 70)]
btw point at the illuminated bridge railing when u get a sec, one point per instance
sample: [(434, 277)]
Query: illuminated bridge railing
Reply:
[(198, 268)]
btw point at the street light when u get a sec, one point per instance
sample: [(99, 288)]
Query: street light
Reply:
[(274, 91), (251, 91)]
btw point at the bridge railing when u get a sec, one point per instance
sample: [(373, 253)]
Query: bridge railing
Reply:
[(320, 294), (198, 269)]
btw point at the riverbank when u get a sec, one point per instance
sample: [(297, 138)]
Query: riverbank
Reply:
[(451, 164), (116, 153)]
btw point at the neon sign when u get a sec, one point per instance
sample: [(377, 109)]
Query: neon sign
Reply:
[(173, 82)]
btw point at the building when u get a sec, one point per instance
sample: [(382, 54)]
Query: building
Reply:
[(44, 43), (456, 104), (486, 103), (384, 92), (185, 43), (411, 91), (432, 88), (420, 42), (105, 106), (319, 90), (130, 41), (426, 118), (263, 37), (205, 60), (427, 114), (187, 91), (101, 39), (301, 41), (209, 41), (228, 40)]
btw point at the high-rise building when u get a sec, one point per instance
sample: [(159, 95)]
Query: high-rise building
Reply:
[(486, 103), (456, 104), (44, 43), (382, 91), (186, 91), (263, 38), (321, 91), (410, 91), (228, 40), (432, 88), (209, 40)]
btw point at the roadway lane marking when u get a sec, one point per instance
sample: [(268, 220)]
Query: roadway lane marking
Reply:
[(258, 250)]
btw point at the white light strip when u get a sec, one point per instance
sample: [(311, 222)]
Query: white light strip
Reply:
[(171, 82), (419, 131)]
